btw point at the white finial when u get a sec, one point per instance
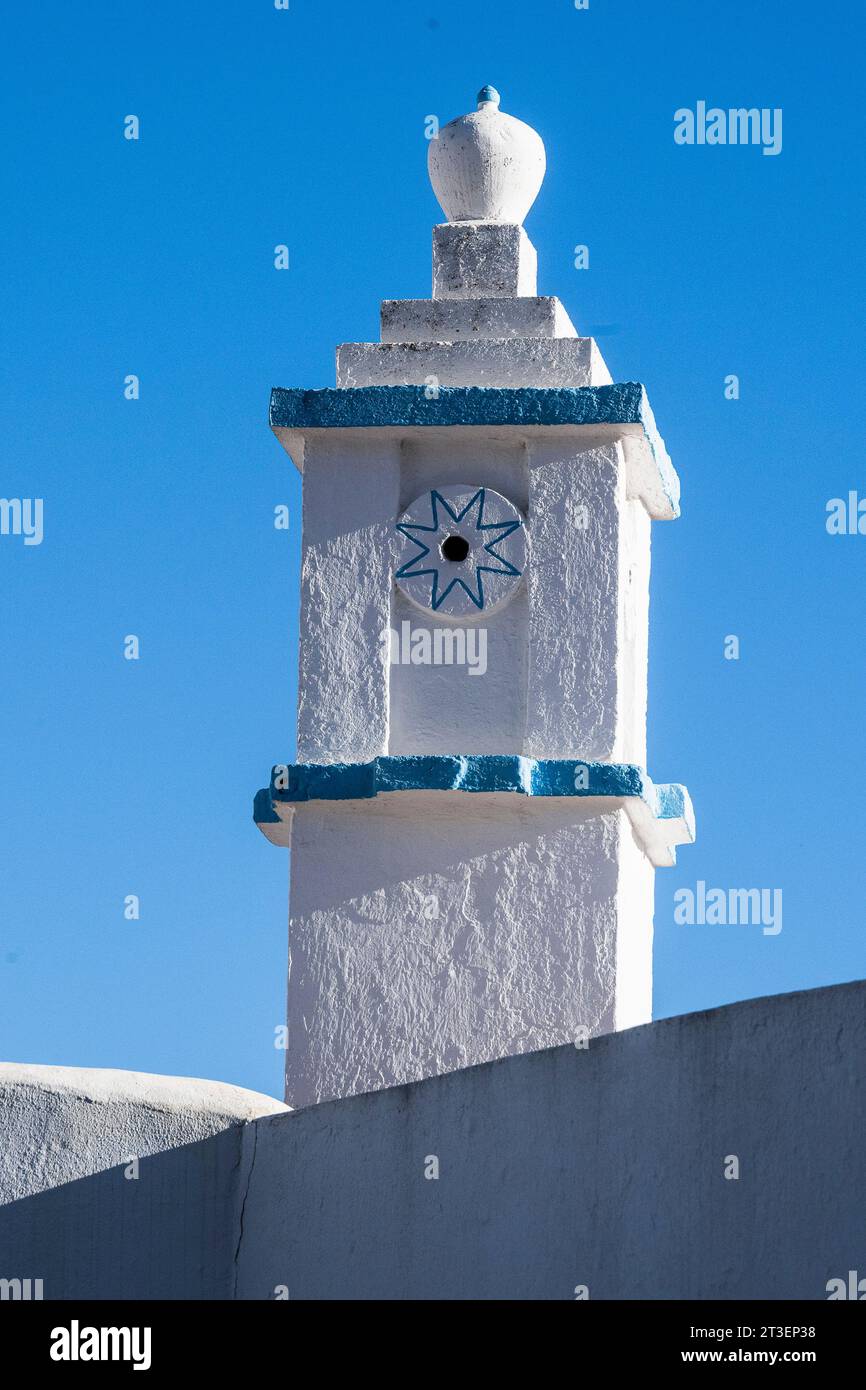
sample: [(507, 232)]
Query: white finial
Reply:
[(486, 166)]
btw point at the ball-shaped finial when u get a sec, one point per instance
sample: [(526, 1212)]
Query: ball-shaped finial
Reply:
[(486, 166)]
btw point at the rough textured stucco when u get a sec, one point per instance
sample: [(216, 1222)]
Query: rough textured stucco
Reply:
[(601, 1167), (574, 585), (485, 362), (349, 545), (483, 260), (630, 743), (440, 708), (622, 403), (430, 933), (449, 320)]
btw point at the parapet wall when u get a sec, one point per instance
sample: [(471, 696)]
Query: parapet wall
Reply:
[(602, 1168), (79, 1215)]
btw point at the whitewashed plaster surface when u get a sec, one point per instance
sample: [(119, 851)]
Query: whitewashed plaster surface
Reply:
[(566, 662), (349, 548), (598, 1166), (548, 362), (543, 906), (59, 1124), (588, 593), (476, 260), (487, 164), (454, 320), (434, 930)]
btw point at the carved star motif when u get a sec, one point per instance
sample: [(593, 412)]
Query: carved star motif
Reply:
[(481, 536)]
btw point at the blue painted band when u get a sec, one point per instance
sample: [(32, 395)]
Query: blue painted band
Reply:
[(622, 404), (263, 808), (482, 773), (360, 407)]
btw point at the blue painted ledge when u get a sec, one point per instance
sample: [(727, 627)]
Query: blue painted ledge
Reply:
[(662, 815), (622, 407), (370, 407), (488, 773)]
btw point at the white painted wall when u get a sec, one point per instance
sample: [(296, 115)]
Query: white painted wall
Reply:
[(601, 1167), (587, 599), (434, 930), (350, 505)]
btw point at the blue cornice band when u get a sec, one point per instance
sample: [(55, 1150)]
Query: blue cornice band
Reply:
[(622, 405), (359, 407), (486, 773)]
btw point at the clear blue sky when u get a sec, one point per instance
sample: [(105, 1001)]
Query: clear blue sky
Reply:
[(156, 258)]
